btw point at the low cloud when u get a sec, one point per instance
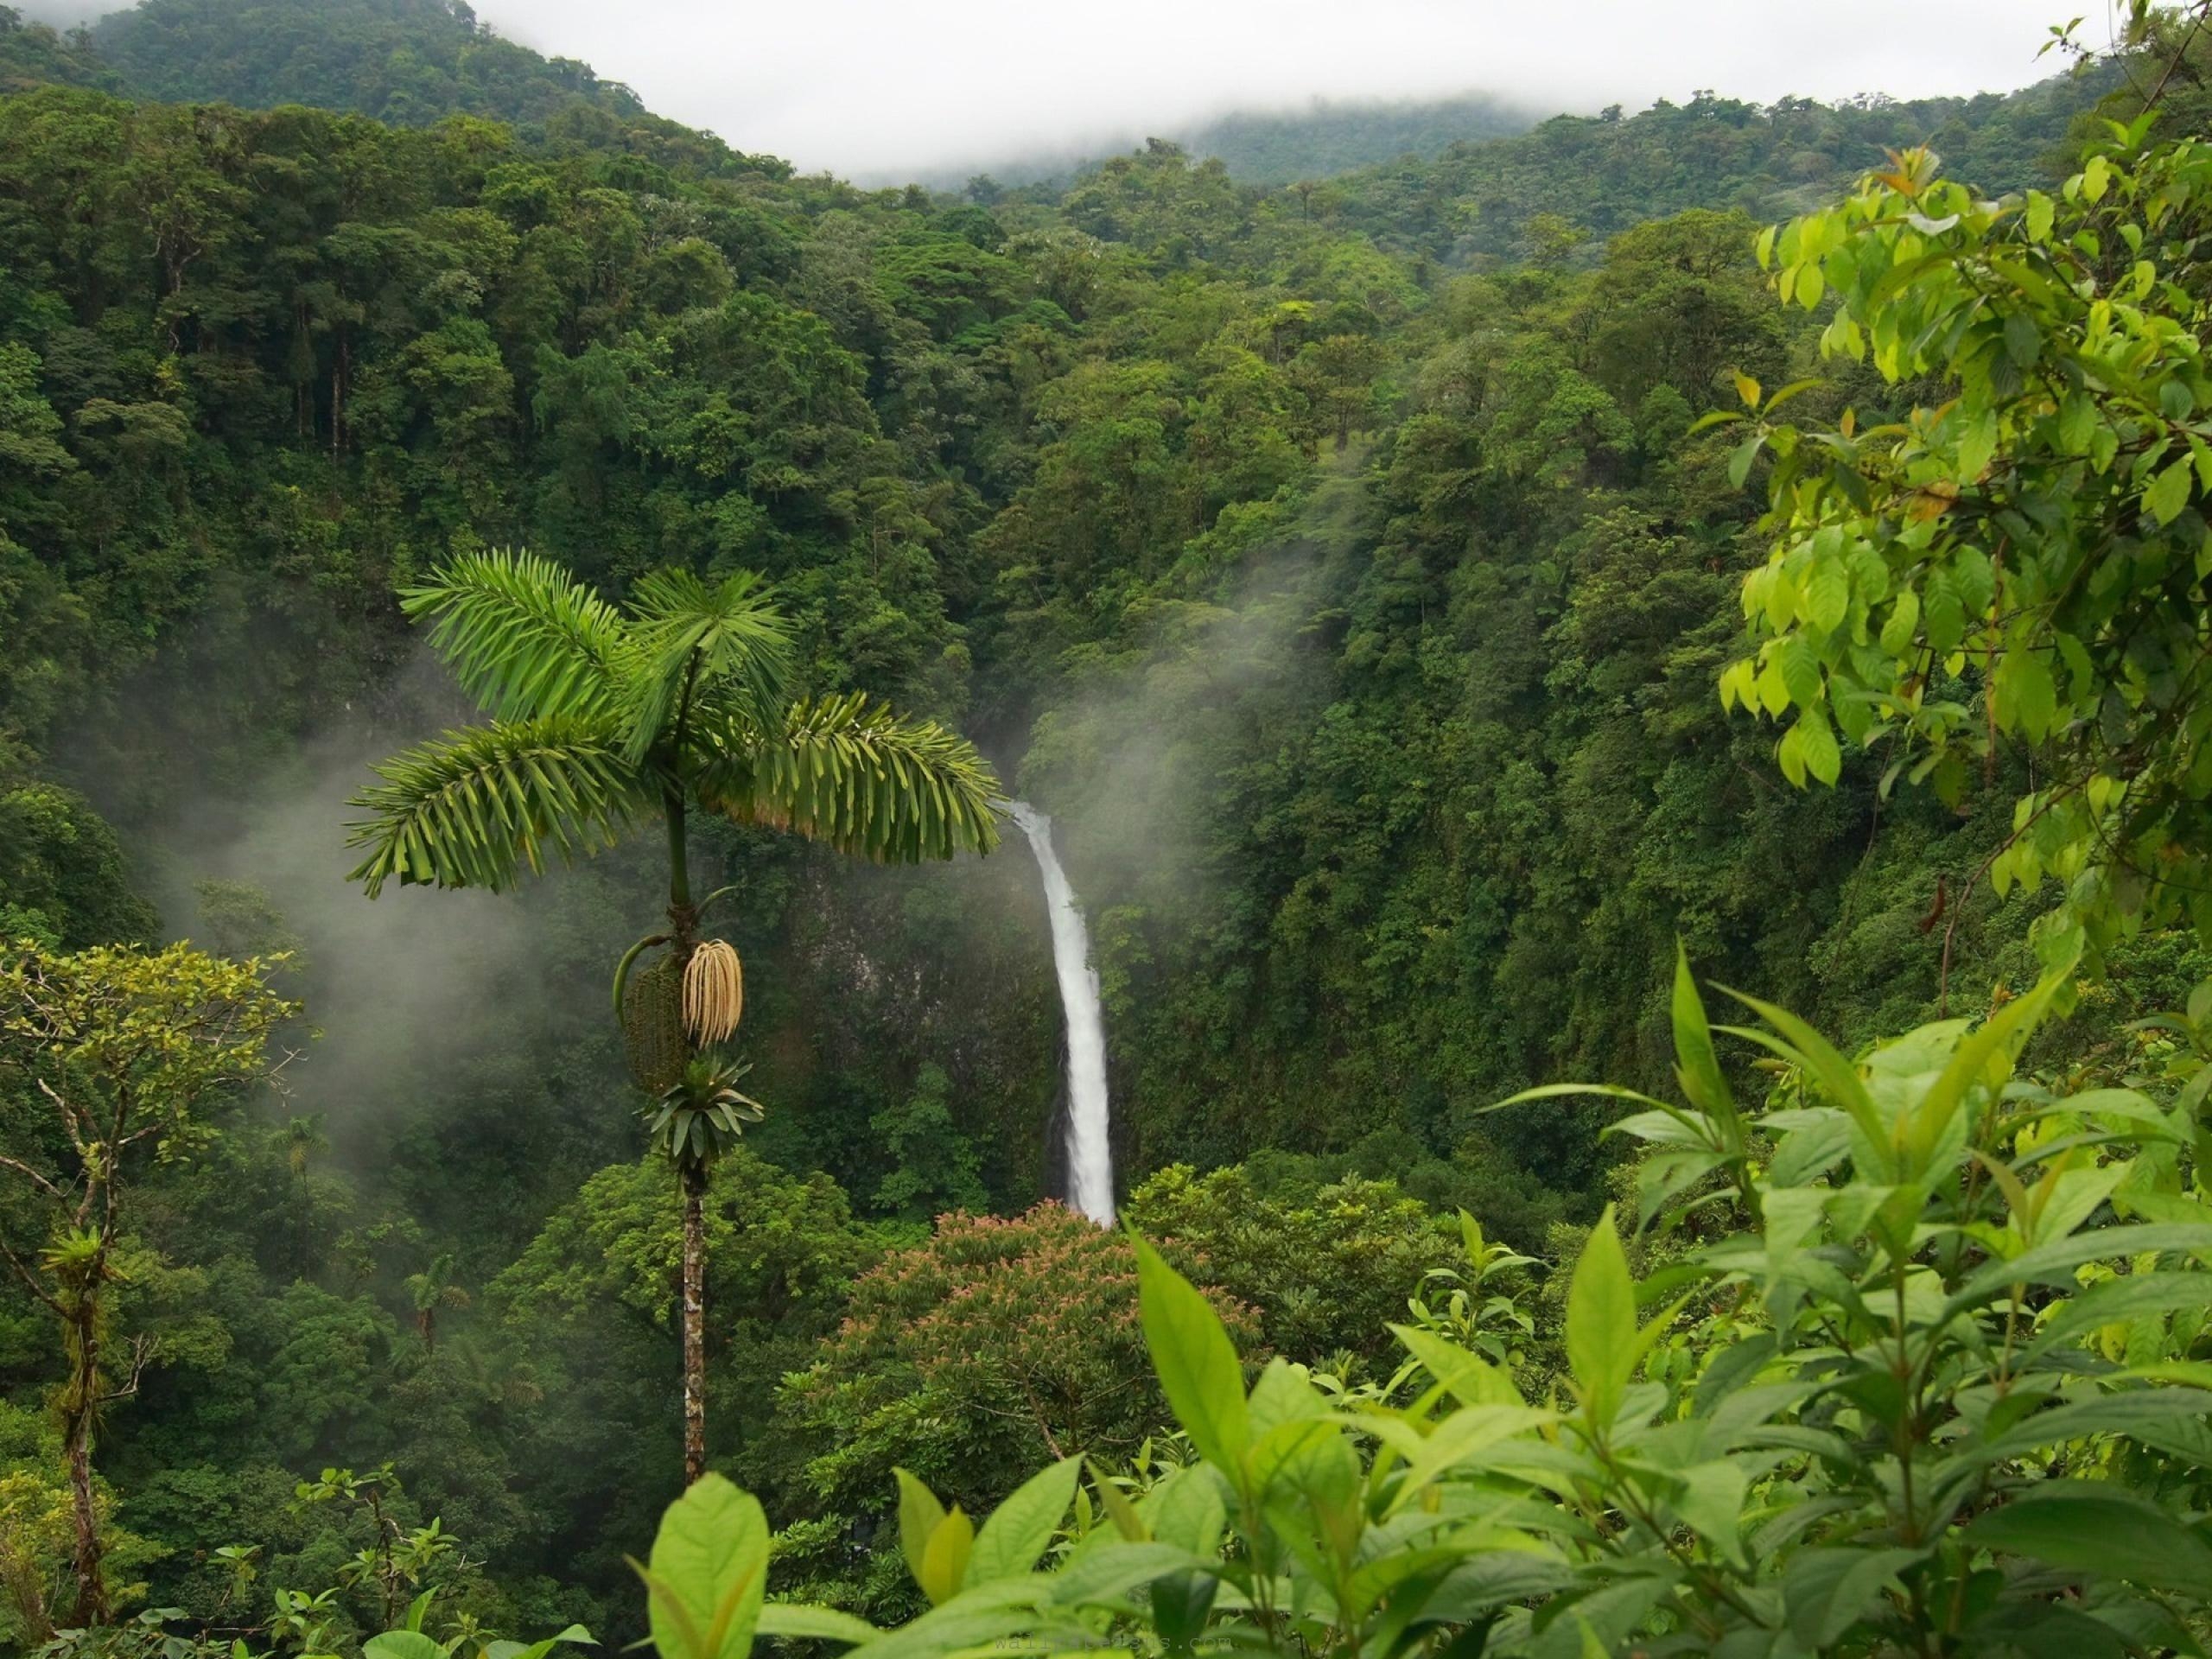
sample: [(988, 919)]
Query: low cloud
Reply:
[(883, 90)]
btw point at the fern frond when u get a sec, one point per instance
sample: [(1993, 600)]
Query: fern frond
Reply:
[(694, 646), (476, 808), (525, 639), (856, 776)]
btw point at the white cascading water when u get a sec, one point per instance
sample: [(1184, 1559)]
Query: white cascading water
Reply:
[(1090, 1156)]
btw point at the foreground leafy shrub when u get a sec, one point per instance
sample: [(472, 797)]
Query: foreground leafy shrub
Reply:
[(1925, 1377)]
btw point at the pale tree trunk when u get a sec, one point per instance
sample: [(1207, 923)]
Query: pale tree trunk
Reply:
[(78, 1409), (694, 1180)]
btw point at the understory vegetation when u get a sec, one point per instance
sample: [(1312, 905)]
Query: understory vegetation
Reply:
[(1626, 702)]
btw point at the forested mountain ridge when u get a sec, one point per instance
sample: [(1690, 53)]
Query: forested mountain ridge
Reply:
[(1585, 178), (33, 54), (1277, 146), (409, 62), (1341, 566), (1340, 136)]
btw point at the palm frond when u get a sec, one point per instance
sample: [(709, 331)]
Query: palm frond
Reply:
[(693, 645), (857, 775), (525, 639), (476, 808)]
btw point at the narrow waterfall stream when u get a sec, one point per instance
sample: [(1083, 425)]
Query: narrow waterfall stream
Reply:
[(1090, 1157)]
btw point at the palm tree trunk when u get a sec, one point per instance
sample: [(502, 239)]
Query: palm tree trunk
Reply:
[(77, 1413), (693, 1179), (683, 922)]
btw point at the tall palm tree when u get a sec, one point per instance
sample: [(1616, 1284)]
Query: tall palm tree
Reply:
[(431, 1290), (602, 720)]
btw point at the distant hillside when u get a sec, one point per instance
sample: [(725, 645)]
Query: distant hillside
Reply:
[(409, 62), (1265, 146), (1594, 177), (1282, 146), (35, 54)]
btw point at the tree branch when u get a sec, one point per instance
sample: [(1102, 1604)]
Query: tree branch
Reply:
[(30, 1281), (36, 1180), (143, 1350)]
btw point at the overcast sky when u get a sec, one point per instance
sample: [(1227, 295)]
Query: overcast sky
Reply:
[(873, 87)]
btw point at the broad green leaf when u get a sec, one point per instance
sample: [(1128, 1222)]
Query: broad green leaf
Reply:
[(1801, 669), (919, 1516), (2054, 1263), (709, 1569), (1942, 612), (969, 1622), (2117, 1300), (944, 1558), (2096, 1527), (2169, 492), (1115, 1571), (1796, 387), (1185, 1510), (1308, 1475), (2077, 422), (1789, 753), (1697, 1067), (1826, 1591), (2154, 1416), (1196, 1364), (1601, 1321), (1282, 1394), (1970, 1063), (1181, 1604), (1022, 1528), (1977, 445), (1470, 1379), (1116, 1502), (808, 1624), (1902, 624), (402, 1644), (1816, 745), (2027, 691), (1805, 1046), (1461, 1437), (1828, 594), (1710, 1501)]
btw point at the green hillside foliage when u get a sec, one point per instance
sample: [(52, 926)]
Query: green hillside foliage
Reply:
[(34, 54), (409, 62), (1498, 200), (1280, 146)]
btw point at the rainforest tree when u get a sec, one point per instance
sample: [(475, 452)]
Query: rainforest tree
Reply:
[(126, 1052), (2010, 577)]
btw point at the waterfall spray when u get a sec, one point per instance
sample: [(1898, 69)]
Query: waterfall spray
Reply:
[(1091, 1158)]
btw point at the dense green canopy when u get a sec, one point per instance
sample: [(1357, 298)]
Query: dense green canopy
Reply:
[(1341, 561)]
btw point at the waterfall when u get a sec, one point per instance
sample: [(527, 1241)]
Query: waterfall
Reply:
[(1090, 1159)]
